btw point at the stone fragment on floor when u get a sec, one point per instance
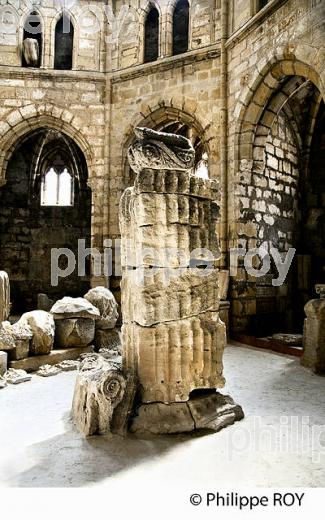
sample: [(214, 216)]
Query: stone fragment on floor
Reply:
[(3, 362), (16, 376), (41, 324), (68, 365), (3, 382), (288, 339), (33, 363), (48, 370), (99, 388), (211, 411)]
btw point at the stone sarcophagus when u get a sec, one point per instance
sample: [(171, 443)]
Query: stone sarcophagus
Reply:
[(173, 338)]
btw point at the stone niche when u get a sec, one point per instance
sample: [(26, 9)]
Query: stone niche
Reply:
[(172, 335)]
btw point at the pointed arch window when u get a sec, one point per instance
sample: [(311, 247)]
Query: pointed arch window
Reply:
[(57, 188), (64, 33), (181, 27), (151, 36), (32, 53)]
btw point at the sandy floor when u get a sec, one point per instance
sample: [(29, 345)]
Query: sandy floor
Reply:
[(279, 443)]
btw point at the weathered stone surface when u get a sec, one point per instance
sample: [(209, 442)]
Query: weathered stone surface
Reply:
[(16, 376), (21, 335), (3, 362), (223, 282), (42, 326), (32, 363), (68, 365), (74, 308), (48, 371), (163, 242), (74, 332), (15, 339), (7, 340), (176, 182), (107, 339), (172, 359), (165, 295), (99, 388), (160, 418), (111, 354), (158, 150), (212, 411), (314, 336), (173, 338), (103, 299), (3, 382), (31, 51), (4, 296), (44, 303), (288, 339)]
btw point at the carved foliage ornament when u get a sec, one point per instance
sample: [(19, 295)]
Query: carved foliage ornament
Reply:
[(159, 150)]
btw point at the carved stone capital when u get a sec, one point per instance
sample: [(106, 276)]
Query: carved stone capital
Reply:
[(159, 150)]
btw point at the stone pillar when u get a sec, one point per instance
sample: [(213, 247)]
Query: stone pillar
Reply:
[(173, 337), (314, 333), (4, 296)]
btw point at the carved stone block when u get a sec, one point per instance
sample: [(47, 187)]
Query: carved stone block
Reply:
[(164, 295), (74, 332), (213, 411), (99, 388), (172, 359)]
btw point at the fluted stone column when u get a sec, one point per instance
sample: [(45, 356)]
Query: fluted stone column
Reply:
[(173, 337)]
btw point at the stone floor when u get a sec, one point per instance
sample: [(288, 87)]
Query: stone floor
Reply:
[(39, 447)]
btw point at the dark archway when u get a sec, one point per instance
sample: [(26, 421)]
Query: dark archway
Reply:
[(29, 230), (181, 27), (282, 204), (151, 36), (63, 54)]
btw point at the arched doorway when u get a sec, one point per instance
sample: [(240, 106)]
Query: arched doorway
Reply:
[(45, 204), (281, 205)]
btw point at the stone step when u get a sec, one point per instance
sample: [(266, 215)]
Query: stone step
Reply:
[(33, 363)]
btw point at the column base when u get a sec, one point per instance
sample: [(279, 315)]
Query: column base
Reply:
[(205, 411)]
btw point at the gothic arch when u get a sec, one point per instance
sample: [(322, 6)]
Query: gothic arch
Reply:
[(256, 96), (65, 12), (26, 119)]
